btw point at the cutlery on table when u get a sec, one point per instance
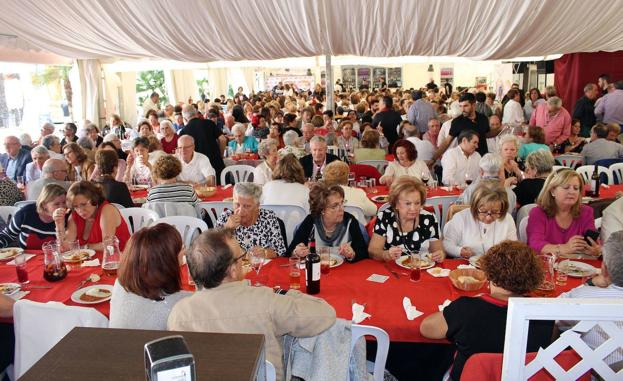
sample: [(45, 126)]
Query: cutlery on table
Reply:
[(395, 274)]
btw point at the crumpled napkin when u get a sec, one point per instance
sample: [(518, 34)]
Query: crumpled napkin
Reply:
[(410, 309), (20, 294), (92, 263), (465, 267), (227, 186), (28, 258), (438, 272), (358, 314), (445, 304)]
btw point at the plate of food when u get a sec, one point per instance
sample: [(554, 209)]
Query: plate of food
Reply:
[(576, 269), (94, 294), (475, 261), (137, 187), (77, 256), (9, 253), (205, 191), (9, 288), (380, 198), (336, 260), (576, 256), (405, 262)]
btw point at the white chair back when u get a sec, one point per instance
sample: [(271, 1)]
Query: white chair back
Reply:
[(240, 173), (7, 213), (118, 206), (598, 223), (569, 161), (271, 374), (441, 205), (524, 211), (588, 313), (291, 215), (616, 171), (20, 204), (380, 165), (39, 326), (382, 342), (213, 209), (186, 226), (387, 205), (522, 230), (137, 218), (166, 209), (557, 167), (357, 212), (587, 171)]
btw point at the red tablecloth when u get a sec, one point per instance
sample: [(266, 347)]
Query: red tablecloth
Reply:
[(610, 191), (382, 190)]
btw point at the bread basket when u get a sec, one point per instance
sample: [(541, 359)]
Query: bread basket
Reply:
[(468, 284)]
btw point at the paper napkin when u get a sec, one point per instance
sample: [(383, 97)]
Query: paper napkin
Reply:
[(358, 314), (28, 257), (465, 267), (378, 278), (92, 263), (227, 186), (444, 305), (410, 309), (18, 295), (438, 272)]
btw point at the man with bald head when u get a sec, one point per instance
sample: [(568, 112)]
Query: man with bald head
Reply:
[(15, 159), (308, 134), (208, 139), (584, 109), (196, 167), (54, 171), (47, 129)]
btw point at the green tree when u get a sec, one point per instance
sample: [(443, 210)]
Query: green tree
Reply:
[(53, 74), (148, 82)]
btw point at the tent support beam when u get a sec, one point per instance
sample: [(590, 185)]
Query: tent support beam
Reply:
[(329, 82)]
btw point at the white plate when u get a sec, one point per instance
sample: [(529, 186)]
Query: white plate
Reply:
[(339, 260), (16, 251), (429, 263), (68, 254), (138, 187), (473, 260), (9, 288), (75, 297), (576, 269), (576, 256), (380, 198)]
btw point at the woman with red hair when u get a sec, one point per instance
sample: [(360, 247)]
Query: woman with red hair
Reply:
[(405, 164)]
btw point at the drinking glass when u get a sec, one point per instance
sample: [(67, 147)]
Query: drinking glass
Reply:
[(21, 182), (294, 270), (416, 272), (547, 261), (20, 268), (351, 179), (468, 179), (325, 260), (425, 177), (256, 259), (54, 268), (561, 276), (111, 256)]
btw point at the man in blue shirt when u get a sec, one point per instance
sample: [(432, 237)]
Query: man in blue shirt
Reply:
[(15, 160)]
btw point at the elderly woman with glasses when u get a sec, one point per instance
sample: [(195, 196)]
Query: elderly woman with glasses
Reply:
[(254, 228), (330, 225), (486, 223), (242, 143), (405, 227), (39, 155), (559, 223), (269, 152)]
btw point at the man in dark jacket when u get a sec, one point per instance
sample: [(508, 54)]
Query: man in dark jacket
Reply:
[(207, 137), (388, 119), (584, 109), (14, 161), (314, 163)]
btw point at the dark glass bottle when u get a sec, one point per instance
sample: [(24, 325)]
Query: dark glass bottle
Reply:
[(312, 267), (595, 182)]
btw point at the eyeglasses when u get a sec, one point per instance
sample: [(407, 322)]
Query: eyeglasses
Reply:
[(485, 213), (336, 206), (239, 257), (81, 205)]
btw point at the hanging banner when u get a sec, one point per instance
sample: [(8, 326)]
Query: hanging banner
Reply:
[(378, 77), (349, 78), (481, 84), (300, 82), (394, 77), (363, 77), (447, 75)]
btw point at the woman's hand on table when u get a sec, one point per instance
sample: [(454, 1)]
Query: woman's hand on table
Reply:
[(466, 252), (576, 244), (233, 221), (301, 250), (438, 256), (347, 251), (594, 249), (393, 253)]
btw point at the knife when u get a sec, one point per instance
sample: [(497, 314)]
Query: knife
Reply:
[(395, 274)]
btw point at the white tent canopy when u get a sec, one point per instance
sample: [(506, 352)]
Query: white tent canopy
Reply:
[(211, 30)]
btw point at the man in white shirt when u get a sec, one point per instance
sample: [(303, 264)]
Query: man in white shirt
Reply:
[(462, 160), (444, 132), (608, 285), (612, 219), (425, 149), (151, 103), (196, 167), (513, 113)]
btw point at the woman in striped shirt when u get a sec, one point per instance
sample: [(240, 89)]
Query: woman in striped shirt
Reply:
[(165, 171), (33, 225)]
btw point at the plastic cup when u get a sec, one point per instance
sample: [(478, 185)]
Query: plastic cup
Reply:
[(416, 272), (294, 271), (325, 260), (20, 268)]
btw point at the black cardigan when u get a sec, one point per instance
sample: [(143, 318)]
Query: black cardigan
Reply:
[(357, 241)]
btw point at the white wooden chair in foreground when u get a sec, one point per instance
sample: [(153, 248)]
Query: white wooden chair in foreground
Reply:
[(588, 313)]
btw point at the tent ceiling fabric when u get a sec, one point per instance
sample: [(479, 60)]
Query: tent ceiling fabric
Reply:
[(212, 30)]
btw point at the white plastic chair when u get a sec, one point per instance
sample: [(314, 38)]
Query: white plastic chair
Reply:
[(357, 212), (118, 206), (587, 171), (557, 167), (39, 326), (440, 205), (137, 218), (291, 215), (166, 209), (382, 342), (522, 230), (387, 205), (21, 204), (380, 165), (271, 374), (569, 161), (7, 213), (524, 211), (616, 171), (186, 226), (213, 209), (240, 173), (598, 223)]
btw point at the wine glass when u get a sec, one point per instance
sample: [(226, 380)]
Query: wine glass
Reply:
[(425, 177), (256, 259), (468, 179)]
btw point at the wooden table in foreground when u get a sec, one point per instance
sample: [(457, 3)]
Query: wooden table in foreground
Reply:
[(117, 354)]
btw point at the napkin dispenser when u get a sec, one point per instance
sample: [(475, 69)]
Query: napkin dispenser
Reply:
[(168, 359)]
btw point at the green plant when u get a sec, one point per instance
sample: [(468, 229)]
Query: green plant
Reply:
[(55, 74), (203, 87), (148, 82)]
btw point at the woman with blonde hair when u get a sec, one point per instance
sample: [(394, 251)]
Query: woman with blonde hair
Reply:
[(559, 223), (509, 147), (287, 186), (80, 167)]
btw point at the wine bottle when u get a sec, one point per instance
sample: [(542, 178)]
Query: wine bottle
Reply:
[(595, 182), (312, 267)]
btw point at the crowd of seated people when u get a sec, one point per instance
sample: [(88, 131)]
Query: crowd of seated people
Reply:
[(304, 150)]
